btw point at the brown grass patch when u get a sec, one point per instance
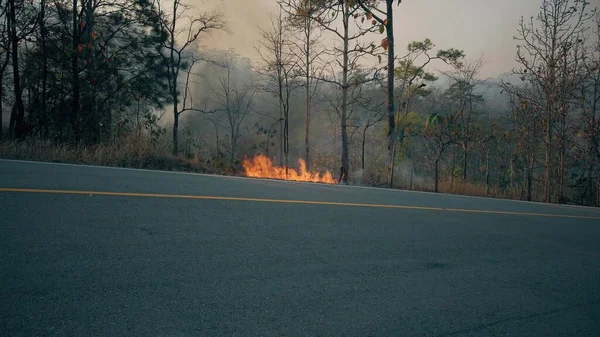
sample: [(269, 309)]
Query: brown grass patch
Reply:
[(134, 152)]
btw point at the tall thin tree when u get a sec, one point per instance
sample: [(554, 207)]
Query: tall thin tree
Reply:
[(182, 31)]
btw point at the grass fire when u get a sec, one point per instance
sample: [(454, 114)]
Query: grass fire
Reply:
[(262, 166)]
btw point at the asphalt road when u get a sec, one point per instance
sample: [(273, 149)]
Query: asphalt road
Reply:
[(167, 254)]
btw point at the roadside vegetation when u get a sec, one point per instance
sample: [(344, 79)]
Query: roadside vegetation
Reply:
[(127, 83)]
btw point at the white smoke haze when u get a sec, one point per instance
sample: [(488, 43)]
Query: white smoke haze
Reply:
[(407, 171), (476, 26), (446, 24)]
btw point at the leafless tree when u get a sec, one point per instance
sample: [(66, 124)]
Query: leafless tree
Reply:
[(19, 30), (443, 130), (5, 54), (465, 80), (234, 98), (542, 44), (589, 99), (370, 112), (343, 74), (182, 30), (307, 45), (279, 67), (525, 128)]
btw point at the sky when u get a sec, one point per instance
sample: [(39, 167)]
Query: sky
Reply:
[(479, 27)]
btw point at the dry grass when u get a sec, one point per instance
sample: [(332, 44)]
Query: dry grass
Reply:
[(472, 189), (134, 152), (139, 152), (457, 188)]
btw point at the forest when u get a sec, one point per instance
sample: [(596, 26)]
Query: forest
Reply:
[(129, 83)]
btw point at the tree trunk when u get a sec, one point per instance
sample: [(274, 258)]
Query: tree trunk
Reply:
[(597, 191), (593, 195), (589, 195), (362, 154), (307, 132), (391, 61), (512, 169), (32, 113), (412, 166), (1, 106), (20, 117), (217, 139), (75, 75), (550, 109), (548, 177), (286, 130), (12, 121), (393, 160), (453, 167), (282, 121), (175, 125), (561, 175), (43, 34), (233, 145), (308, 29), (398, 138), (465, 159), (174, 73), (487, 173), (90, 98), (530, 179), (281, 127), (437, 171), (334, 142), (594, 138), (4, 66), (345, 86)]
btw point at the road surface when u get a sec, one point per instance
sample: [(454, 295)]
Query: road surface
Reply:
[(91, 251)]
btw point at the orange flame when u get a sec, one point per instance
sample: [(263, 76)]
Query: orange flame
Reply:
[(261, 166)]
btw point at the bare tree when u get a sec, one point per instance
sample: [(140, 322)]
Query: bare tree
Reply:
[(342, 74), (487, 142), (17, 34), (542, 44), (43, 31), (182, 30), (83, 109), (589, 98), (443, 130), (5, 54), (526, 129), (306, 45), (464, 83), (280, 70), (75, 90), (234, 97), (371, 111)]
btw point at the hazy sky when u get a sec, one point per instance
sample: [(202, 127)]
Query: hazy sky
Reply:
[(477, 26)]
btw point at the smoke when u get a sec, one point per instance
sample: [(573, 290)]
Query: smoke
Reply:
[(495, 23), (243, 18), (403, 175)]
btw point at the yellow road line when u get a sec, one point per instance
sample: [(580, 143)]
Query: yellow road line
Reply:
[(304, 202)]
